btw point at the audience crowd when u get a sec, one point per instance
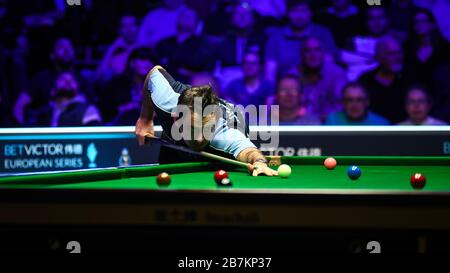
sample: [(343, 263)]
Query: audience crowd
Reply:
[(330, 62)]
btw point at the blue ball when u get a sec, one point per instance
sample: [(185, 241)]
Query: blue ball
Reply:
[(354, 172)]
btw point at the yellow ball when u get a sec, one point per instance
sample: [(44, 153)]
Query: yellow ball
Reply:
[(284, 171)]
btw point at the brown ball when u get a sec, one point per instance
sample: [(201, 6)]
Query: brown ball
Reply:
[(163, 179)]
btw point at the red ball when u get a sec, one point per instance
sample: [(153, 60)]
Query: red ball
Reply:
[(418, 181), (219, 175), (163, 179)]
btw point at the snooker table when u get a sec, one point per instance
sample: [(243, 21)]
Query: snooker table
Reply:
[(315, 208)]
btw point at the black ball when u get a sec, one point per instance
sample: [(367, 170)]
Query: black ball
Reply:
[(225, 183)]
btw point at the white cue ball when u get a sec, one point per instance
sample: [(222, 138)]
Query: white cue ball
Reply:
[(284, 171)]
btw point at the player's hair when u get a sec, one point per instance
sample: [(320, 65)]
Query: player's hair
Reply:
[(205, 92)]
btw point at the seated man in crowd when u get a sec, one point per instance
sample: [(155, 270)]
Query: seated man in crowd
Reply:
[(252, 88), (185, 123), (63, 58), (115, 59), (356, 109), (322, 79), (418, 106), (387, 83), (359, 52), (344, 20), (186, 52), (243, 34), (151, 32), (67, 107), (290, 98), (121, 97), (283, 46)]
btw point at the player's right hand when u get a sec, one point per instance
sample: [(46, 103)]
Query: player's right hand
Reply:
[(144, 127)]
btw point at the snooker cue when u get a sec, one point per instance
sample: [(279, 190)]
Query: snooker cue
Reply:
[(201, 153)]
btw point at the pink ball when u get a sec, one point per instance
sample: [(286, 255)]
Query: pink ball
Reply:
[(330, 163)]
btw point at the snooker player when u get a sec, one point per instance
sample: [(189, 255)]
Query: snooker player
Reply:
[(163, 95)]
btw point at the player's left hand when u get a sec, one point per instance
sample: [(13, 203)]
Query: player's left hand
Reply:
[(258, 168)]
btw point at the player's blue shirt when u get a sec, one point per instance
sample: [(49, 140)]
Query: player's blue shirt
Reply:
[(164, 93)]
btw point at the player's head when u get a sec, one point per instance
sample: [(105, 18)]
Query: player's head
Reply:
[(299, 13), (63, 53), (202, 103), (356, 101), (389, 54), (289, 92), (65, 87), (312, 53), (418, 103), (205, 78)]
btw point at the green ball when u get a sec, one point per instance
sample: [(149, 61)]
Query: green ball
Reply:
[(284, 171)]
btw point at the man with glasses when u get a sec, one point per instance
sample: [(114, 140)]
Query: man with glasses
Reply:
[(356, 109)]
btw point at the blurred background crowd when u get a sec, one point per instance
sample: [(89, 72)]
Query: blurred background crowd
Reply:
[(332, 62)]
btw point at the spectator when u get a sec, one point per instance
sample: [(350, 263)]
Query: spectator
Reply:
[(283, 46), (289, 97), (387, 84), (322, 80), (160, 23), (356, 108), (67, 107), (252, 88), (36, 23), (440, 10), (418, 107), (427, 48), (38, 95), (359, 54), (114, 61), (185, 53), (120, 99), (242, 35), (401, 13), (344, 21), (218, 19)]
